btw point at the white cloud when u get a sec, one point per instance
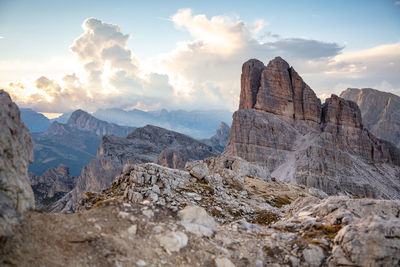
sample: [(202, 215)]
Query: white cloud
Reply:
[(201, 73), (397, 3)]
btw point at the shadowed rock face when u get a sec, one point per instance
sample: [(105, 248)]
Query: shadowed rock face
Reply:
[(16, 149), (51, 186), (380, 112), (301, 141)]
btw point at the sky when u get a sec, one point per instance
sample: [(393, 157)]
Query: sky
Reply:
[(58, 56)]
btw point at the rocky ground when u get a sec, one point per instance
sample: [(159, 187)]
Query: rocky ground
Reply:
[(218, 212)]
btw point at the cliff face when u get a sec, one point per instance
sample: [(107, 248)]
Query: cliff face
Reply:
[(380, 112), (16, 149), (283, 126)]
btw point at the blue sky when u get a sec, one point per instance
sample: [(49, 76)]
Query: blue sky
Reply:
[(41, 32)]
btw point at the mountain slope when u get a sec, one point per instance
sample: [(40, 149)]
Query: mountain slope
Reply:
[(35, 122)]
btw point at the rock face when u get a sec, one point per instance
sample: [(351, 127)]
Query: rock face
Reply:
[(380, 112), (16, 147), (51, 186), (301, 141), (83, 121), (220, 139), (146, 144)]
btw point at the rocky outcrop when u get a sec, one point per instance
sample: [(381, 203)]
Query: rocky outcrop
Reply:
[(230, 212), (303, 142), (51, 186), (83, 121), (380, 112), (220, 139), (16, 147), (146, 144)]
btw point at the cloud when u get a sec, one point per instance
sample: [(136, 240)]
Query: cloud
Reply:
[(210, 65), (397, 3), (111, 76), (200, 73)]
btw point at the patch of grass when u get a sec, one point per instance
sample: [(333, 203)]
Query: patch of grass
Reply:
[(264, 217), (329, 231), (272, 252), (277, 201)]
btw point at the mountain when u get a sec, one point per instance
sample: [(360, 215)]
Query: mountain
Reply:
[(52, 185), (35, 122), (281, 124), (16, 149), (83, 121), (220, 139), (146, 144), (198, 124), (73, 144), (380, 112)]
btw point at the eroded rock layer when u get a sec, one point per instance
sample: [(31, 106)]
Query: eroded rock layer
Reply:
[(284, 127)]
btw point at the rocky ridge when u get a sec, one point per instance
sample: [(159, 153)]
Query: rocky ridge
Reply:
[(146, 144), (220, 211), (281, 124), (16, 149), (83, 121), (380, 112)]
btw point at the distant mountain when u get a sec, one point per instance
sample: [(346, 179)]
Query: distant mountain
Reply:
[(146, 144), (35, 122), (51, 186), (197, 124), (73, 144), (63, 118), (380, 112), (220, 139)]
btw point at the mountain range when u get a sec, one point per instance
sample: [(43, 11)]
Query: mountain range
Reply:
[(73, 144)]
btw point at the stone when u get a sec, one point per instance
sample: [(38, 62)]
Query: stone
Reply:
[(198, 169), (16, 153), (173, 241), (196, 220), (373, 241), (298, 140), (132, 229), (313, 255), (223, 262)]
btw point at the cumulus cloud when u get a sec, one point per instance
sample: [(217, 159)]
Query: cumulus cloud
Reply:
[(210, 65), (202, 73)]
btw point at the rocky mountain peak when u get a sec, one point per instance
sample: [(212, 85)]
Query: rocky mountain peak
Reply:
[(281, 124), (83, 121)]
